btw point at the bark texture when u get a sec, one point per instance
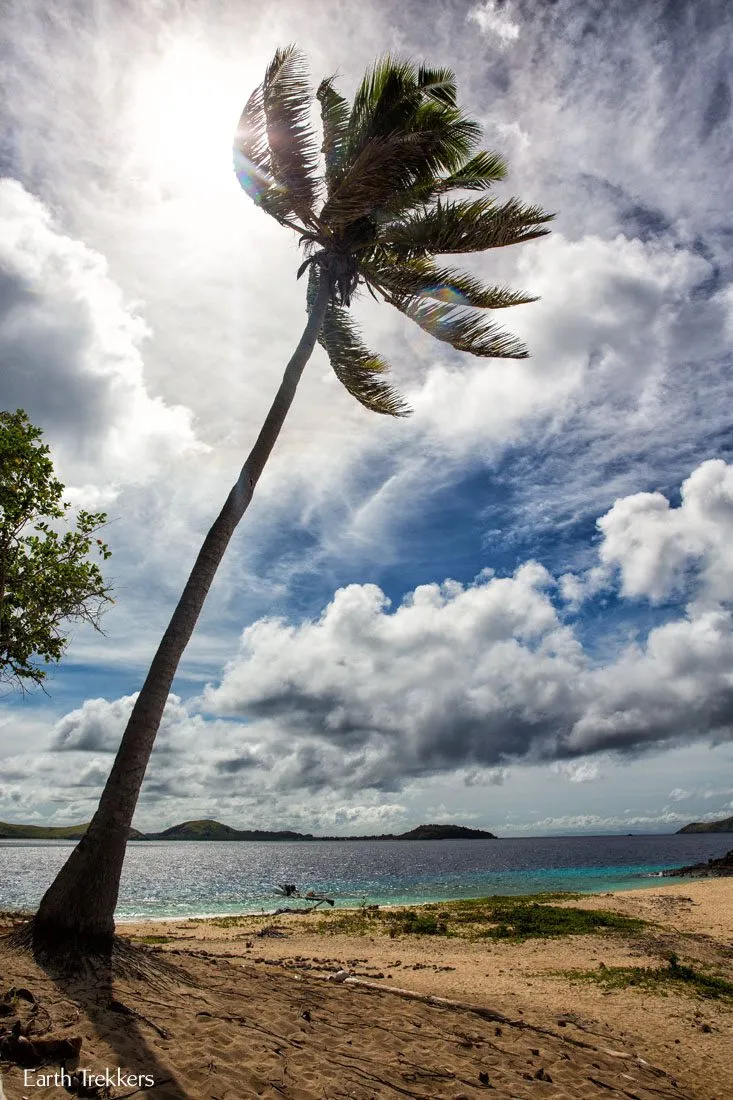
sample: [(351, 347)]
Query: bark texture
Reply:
[(80, 903)]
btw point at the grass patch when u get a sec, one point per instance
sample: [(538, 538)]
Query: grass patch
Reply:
[(237, 920), (521, 921), (499, 918), (408, 922), (674, 975)]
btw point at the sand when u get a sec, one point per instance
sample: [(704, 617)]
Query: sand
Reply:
[(243, 1014)]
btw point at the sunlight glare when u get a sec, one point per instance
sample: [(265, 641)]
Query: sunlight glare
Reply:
[(186, 112)]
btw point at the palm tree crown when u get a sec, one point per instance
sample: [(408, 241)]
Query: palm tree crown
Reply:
[(383, 206)]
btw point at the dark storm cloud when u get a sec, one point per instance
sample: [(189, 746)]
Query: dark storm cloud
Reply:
[(238, 764)]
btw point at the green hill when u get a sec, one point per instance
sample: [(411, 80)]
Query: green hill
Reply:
[(46, 832), (207, 829), (214, 830), (445, 832), (724, 826)]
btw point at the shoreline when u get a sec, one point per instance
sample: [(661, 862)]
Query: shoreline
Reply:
[(646, 884), (340, 1003)]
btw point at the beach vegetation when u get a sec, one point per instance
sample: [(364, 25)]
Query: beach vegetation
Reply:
[(498, 918), (233, 921), (521, 920), (375, 200), (657, 979), (48, 576)]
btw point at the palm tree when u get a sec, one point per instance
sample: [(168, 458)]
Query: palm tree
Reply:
[(383, 208)]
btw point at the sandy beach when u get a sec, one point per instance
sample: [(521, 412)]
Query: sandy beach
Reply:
[(337, 1004)]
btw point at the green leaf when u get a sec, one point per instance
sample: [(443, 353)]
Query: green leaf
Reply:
[(359, 370), (447, 136), (467, 226), (438, 84), (461, 328), (419, 277), (46, 579), (293, 147), (383, 167), (384, 102), (477, 174)]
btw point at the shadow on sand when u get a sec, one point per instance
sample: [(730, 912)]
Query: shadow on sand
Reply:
[(93, 988)]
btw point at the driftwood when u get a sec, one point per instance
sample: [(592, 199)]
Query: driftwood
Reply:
[(309, 909), (290, 890)]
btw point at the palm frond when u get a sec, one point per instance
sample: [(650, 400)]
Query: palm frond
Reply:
[(357, 368), (397, 108), (381, 168), (477, 174), (275, 150), (286, 96), (468, 226), (384, 102), (390, 174), (461, 328), (448, 135), (438, 84), (335, 118), (420, 278), (251, 151)]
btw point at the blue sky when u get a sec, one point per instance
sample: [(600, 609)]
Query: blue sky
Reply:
[(512, 610)]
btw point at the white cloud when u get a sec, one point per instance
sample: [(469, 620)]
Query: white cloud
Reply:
[(629, 387), (654, 546), (494, 21), (680, 794), (98, 725), (582, 771), (602, 339), (476, 676), (71, 351), (598, 822)]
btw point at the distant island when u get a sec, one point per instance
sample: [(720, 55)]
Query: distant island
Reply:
[(46, 832), (723, 826), (214, 830)]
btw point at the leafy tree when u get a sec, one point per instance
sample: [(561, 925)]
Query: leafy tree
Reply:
[(46, 578), (386, 203)]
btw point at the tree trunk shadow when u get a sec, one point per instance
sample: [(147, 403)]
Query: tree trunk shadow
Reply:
[(93, 982)]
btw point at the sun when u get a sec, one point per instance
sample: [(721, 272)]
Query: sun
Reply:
[(185, 111)]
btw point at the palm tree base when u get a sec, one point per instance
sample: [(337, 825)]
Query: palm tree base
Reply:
[(70, 955), (79, 905)]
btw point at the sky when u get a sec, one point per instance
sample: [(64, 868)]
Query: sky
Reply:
[(510, 611)]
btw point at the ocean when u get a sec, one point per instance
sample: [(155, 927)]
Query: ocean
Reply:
[(210, 878)]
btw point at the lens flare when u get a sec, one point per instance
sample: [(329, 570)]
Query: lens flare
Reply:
[(447, 294)]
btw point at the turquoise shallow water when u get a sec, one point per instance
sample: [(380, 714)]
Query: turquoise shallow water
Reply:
[(177, 879)]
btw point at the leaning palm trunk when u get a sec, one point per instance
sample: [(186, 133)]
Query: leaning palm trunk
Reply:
[(81, 901)]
